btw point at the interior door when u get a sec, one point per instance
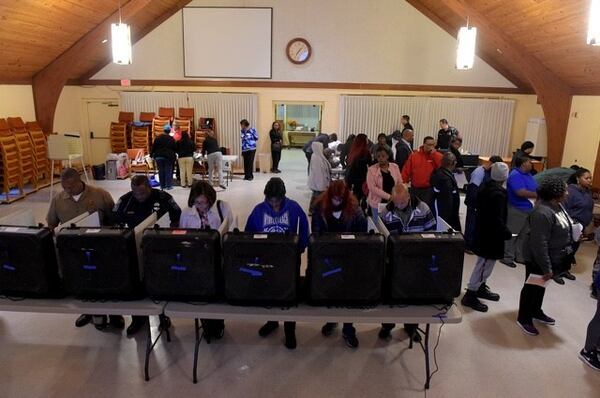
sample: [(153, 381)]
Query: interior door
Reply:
[(100, 115)]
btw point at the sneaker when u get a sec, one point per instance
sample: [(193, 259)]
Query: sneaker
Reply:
[(590, 358), (510, 264), (470, 300), (558, 279), (351, 340), (545, 319), (385, 332), (100, 322), (413, 332), (484, 292), (116, 321), (83, 320), (327, 329), (137, 322), (569, 276), (528, 329), (290, 340), (268, 328)]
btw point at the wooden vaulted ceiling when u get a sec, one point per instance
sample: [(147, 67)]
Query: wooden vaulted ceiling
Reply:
[(553, 32), (34, 33)]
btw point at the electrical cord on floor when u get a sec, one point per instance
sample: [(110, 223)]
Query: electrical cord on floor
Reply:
[(443, 311), (13, 298)]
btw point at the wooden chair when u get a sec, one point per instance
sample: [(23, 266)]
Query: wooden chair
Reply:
[(185, 125), (199, 140), (147, 117), (166, 112), (16, 125), (139, 138), (10, 169), (126, 117), (158, 124), (40, 151), (133, 154), (4, 128), (26, 159), (118, 137), (188, 113)]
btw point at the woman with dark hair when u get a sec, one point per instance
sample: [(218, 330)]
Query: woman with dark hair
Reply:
[(546, 246), (579, 205), (345, 150), (523, 152), (359, 160), (276, 136), (204, 211), (185, 157), (381, 179), (337, 210)]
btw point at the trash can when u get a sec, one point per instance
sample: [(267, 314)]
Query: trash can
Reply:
[(111, 169), (99, 172)]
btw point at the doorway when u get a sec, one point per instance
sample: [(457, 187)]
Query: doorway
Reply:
[(300, 121), (100, 114)]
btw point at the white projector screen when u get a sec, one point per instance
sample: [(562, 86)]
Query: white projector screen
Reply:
[(227, 42)]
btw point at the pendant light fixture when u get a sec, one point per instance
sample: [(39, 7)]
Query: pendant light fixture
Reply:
[(121, 41), (593, 36), (465, 51)]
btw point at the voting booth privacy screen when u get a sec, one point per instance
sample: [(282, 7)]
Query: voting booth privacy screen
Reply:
[(345, 269), (182, 264), (28, 264), (261, 269)]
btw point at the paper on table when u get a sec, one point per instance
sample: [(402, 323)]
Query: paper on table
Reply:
[(537, 280)]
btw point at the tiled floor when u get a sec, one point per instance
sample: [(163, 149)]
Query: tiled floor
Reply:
[(484, 356)]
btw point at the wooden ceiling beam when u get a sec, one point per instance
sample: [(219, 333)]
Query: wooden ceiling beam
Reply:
[(554, 95)]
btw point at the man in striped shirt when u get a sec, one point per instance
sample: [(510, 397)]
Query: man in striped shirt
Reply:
[(405, 213)]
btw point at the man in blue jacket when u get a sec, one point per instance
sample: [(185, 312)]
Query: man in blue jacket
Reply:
[(279, 214)]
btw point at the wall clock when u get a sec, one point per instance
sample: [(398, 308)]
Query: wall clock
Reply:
[(298, 50)]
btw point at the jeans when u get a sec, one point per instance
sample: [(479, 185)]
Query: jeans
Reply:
[(215, 164), (186, 165), (165, 172), (483, 269), (276, 157), (248, 164)]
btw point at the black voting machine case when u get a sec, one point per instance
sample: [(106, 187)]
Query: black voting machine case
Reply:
[(182, 264), (28, 266), (345, 269), (99, 262), (424, 268), (261, 269)]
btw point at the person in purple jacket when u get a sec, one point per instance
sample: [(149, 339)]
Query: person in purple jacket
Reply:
[(279, 214)]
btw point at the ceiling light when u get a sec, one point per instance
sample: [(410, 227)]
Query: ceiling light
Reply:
[(121, 41), (593, 36), (465, 52)]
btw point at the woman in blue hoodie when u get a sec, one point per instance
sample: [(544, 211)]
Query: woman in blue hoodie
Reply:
[(249, 137), (278, 214)]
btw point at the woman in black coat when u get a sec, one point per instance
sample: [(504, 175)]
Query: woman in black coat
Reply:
[(491, 232), (276, 137)]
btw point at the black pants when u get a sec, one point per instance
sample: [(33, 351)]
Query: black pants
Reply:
[(248, 164), (470, 227), (308, 155), (275, 157), (532, 297)]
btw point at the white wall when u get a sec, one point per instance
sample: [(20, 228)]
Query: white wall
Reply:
[(376, 41), (17, 101)]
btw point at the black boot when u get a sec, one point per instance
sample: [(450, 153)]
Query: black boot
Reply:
[(484, 292), (470, 300)]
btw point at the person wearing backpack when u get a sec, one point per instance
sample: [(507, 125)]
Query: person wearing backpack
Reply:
[(204, 211), (544, 244)]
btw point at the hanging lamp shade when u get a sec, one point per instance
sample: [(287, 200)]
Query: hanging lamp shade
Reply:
[(465, 52), (121, 43), (593, 36)]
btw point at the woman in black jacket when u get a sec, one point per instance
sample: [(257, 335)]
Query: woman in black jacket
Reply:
[(336, 210), (359, 160), (185, 157), (546, 246), (490, 234), (276, 136), (164, 153)]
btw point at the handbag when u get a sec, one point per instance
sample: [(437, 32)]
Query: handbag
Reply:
[(276, 146)]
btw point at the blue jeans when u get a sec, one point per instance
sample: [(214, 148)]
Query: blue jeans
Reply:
[(165, 172)]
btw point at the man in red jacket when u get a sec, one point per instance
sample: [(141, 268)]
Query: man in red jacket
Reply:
[(419, 167)]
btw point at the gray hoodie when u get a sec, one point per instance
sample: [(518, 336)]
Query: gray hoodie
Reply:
[(319, 174)]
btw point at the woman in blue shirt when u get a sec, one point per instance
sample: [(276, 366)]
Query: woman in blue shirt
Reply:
[(249, 137)]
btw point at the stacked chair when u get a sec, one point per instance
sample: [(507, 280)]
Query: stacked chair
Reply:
[(10, 167), (118, 137), (40, 150)]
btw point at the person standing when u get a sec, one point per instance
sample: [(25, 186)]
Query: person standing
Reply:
[(455, 145), (164, 152), (445, 191), (579, 205), (337, 210), (479, 176), (249, 137), (544, 248), (405, 122), (589, 353), (381, 179), (382, 143), (345, 150), (359, 160), (404, 147), (523, 152), (521, 187), (276, 136), (214, 158), (319, 175), (185, 157), (490, 233), (279, 214), (307, 148), (445, 135), (419, 168)]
